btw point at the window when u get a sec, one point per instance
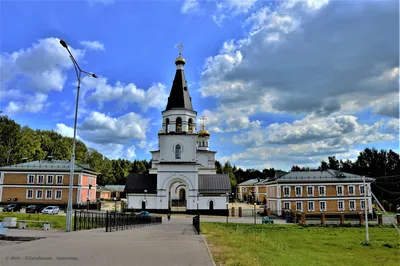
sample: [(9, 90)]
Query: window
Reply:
[(352, 205), (58, 194), (351, 190), (361, 189), (287, 205), (322, 206), (39, 194), (50, 179), (178, 150), (178, 124), (339, 190), (244, 189), (310, 191), (286, 191), (31, 179), (40, 179), (299, 191), (321, 190), (49, 194), (311, 206), (59, 179), (29, 194), (341, 205), (299, 205), (362, 204)]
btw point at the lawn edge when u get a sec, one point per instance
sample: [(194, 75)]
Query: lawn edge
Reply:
[(208, 250)]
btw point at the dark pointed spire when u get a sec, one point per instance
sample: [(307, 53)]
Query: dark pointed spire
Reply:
[(179, 96)]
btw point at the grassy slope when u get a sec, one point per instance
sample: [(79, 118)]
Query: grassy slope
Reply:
[(242, 244), (57, 222)]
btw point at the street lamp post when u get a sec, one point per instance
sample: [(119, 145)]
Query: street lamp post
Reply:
[(79, 76), (145, 202), (198, 212), (255, 204), (115, 204)]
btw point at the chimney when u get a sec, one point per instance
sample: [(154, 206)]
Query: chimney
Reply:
[(49, 158)]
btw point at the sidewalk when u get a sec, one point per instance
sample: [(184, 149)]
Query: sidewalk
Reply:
[(171, 243)]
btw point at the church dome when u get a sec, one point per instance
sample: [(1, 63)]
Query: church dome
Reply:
[(204, 133), (180, 61)]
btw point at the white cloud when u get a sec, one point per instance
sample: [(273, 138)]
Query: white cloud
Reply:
[(93, 45), (190, 6), (231, 8), (28, 104)]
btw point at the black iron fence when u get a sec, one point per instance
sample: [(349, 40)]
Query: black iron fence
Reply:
[(120, 221), (196, 223), (84, 220)]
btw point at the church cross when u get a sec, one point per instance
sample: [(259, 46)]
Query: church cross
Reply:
[(180, 46), (203, 119)]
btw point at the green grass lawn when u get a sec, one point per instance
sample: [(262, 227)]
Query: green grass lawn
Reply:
[(57, 222), (244, 244)]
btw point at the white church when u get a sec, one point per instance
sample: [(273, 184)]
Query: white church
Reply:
[(183, 176)]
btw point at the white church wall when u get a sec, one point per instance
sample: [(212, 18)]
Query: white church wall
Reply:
[(134, 201), (219, 202), (168, 142)]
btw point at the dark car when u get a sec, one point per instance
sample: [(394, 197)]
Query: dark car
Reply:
[(144, 214), (34, 209), (12, 208)]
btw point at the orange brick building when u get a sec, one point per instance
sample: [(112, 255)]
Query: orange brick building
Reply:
[(313, 192), (252, 190), (46, 182)]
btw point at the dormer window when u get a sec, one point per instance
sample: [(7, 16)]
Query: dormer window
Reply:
[(178, 151)]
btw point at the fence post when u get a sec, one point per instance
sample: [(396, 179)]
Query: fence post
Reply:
[(107, 221), (361, 218), (240, 212), (297, 217), (233, 211), (269, 212), (398, 218), (341, 218), (80, 220), (75, 221), (303, 218), (323, 222), (380, 221)]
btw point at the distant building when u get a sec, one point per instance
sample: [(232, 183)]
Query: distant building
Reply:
[(102, 193), (251, 190), (46, 182), (328, 191), (117, 191)]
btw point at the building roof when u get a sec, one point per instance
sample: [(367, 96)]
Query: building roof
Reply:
[(137, 183), (179, 96), (48, 165), (326, 175), (215, 183), (252, 182), (115, 187)]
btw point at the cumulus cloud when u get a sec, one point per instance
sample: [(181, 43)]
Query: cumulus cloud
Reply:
[(189, 6), (93, 45), (27, 103)]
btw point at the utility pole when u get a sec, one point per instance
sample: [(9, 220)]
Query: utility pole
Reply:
[(366, 211)]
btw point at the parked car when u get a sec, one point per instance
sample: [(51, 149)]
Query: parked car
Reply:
[(267, 220), (51, 210), (34, 209), (12, 208), (144, 214)]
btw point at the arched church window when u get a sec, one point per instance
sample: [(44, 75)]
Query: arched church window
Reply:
[(178, 151), (166, 125), (211, 205), (178, 124), (190, 122)]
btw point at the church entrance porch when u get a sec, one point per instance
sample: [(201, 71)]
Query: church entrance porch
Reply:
[(178, 197)]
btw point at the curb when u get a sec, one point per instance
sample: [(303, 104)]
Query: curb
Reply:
[(208, 250)]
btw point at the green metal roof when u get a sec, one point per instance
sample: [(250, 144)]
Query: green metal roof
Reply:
[(58, 165), (115, 187)]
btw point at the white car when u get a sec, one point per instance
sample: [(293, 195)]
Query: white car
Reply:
[(51, 210)]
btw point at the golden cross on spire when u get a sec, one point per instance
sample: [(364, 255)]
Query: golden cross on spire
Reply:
[(180, 46), (203, 119)]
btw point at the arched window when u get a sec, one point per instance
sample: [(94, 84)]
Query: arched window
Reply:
[(211, 205), (178, 151), (178, 124), (166, 125), (190, 122)]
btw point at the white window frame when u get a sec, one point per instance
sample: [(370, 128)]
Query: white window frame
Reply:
[(27, 194), (301, 206), (319, 191), (324, 209), (38, 180), (362, 189), (355, 207), (284, 191), (338, 205), (312, 191), (62, 179), (51, 197), (301, 191), (354, 190), (361, 204), (55, 195), (284, 205), (52, 179), (313, 206), (337, 191), (28, 179), (41, 197)]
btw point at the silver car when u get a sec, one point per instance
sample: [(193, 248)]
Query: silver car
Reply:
[(51, 210)]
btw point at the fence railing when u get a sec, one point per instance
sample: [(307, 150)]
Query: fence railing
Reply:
[(84, 220), (196, 223), (120, 221)]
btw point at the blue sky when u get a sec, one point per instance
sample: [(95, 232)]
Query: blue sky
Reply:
[(281, 83)]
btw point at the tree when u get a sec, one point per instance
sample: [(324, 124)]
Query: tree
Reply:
[(333, 163), (10, 136)]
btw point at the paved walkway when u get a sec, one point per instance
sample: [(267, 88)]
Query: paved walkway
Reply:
[(171, 243)]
